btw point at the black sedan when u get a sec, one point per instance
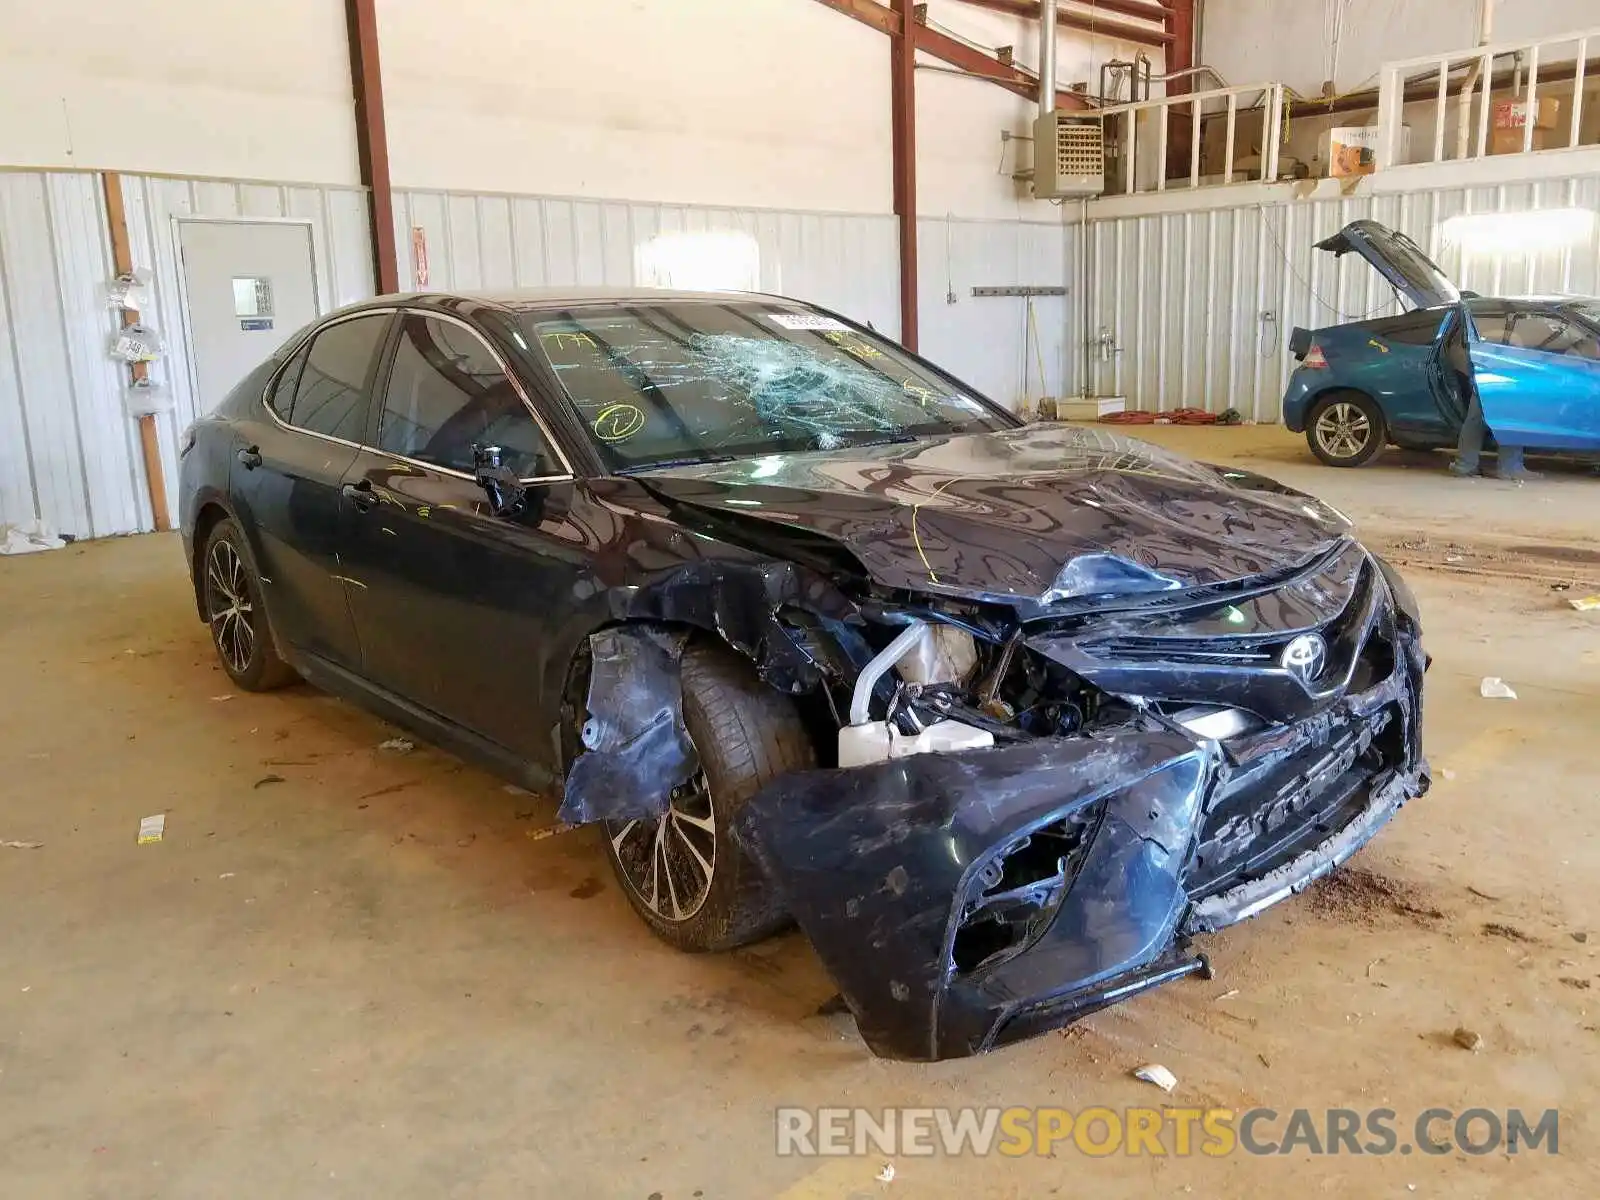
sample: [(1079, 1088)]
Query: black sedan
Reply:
[(1002, 715)]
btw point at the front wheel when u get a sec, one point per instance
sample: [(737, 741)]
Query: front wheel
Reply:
[(1346, 429), (685, 873)]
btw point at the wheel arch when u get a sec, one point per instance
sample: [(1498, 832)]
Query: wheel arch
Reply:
[(211, 513), (1317, 397)]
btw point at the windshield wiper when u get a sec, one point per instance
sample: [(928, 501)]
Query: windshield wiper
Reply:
[(676, 462), (899, 439)]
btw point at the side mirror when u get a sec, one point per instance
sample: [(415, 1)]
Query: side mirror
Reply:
[(499, 482)]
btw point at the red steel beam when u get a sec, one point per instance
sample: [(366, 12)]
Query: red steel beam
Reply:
[(372, 140), (1180, 57), (1139, 35), (1180, 24), (951, 50), (903, 114), (986, 66)]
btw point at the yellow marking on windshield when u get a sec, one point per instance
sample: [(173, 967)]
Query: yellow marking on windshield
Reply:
[(565, 339), (852, 344), (618, 422)]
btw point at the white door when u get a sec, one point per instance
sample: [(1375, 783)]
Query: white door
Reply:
[(250, 285)]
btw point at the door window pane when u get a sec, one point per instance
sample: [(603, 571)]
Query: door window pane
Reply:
[(1491, 327), (1553, 335), (281, 398), (447, 394), (331, 398), (1414, 329)]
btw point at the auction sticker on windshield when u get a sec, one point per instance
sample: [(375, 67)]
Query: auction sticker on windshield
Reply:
[(808, 321)]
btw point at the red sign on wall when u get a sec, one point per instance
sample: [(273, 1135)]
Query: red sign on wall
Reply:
[(419, 256)]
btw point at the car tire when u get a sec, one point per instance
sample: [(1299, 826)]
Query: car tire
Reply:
[(746, 735), (230, 590), (1346, 429)]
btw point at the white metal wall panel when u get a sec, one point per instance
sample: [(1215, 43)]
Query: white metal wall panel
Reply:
[(1200, 304), (62, 460), (846, 262), (69, 453), (995, 343)]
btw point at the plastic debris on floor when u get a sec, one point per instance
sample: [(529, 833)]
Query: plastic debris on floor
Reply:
[(14, 539), (1585, 603), (1157, 1074), (1495, 688), (151, 829)]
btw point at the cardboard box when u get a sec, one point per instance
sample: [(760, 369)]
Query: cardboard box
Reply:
[(1348, 150), (1513, 114), (1509, 141), (1352, 151)]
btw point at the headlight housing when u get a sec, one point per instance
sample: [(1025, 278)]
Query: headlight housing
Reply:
[(1016, 890)]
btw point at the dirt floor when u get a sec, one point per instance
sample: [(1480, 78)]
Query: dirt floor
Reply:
[(350, 972)]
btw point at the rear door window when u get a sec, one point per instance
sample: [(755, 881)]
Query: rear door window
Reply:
[(281, 397), (1419, 328), (449, 395), (1491, 327), (331, 396), (1551, 334)]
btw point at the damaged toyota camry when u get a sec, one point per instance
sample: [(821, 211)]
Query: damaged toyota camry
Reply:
[(1002, 716)]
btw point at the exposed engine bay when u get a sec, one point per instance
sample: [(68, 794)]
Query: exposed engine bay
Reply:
[(1027, 811)]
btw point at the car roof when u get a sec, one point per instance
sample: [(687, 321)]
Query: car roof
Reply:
[(525, 299)]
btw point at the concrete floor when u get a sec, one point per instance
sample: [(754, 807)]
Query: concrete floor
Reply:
[(350, 973)]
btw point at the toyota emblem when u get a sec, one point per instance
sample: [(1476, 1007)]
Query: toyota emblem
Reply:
[(1304, 657)]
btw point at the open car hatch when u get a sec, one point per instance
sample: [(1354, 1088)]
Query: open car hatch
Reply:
[(1398, 259)]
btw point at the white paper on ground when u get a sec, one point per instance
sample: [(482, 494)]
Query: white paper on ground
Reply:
[(14, 539)]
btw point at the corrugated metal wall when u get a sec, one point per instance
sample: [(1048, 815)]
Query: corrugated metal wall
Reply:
[(846, 262), (1201, 304), (69, 453)]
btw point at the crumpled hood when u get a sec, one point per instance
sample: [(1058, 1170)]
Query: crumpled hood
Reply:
[(1040, 514)]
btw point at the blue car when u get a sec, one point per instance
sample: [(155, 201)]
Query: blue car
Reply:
[(1407, 380)]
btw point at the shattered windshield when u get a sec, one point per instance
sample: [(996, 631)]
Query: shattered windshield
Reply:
[(697, 381)]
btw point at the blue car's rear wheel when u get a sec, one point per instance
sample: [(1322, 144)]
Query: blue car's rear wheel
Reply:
[(1346, 429)]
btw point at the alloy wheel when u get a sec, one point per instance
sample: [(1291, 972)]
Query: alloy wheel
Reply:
[(669, 862), (228, 606), (1343, 430)]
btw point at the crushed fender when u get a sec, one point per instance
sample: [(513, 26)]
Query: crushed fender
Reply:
[(636, 749)]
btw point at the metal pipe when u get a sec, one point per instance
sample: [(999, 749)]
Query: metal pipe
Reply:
[(1464, 104), (1047, 58), (861, 697), (1171, 76)]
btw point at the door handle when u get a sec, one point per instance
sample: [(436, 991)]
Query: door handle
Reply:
[(250, 457), (361, 495)]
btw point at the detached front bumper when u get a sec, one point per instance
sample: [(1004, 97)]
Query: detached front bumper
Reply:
[(966, 901)]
